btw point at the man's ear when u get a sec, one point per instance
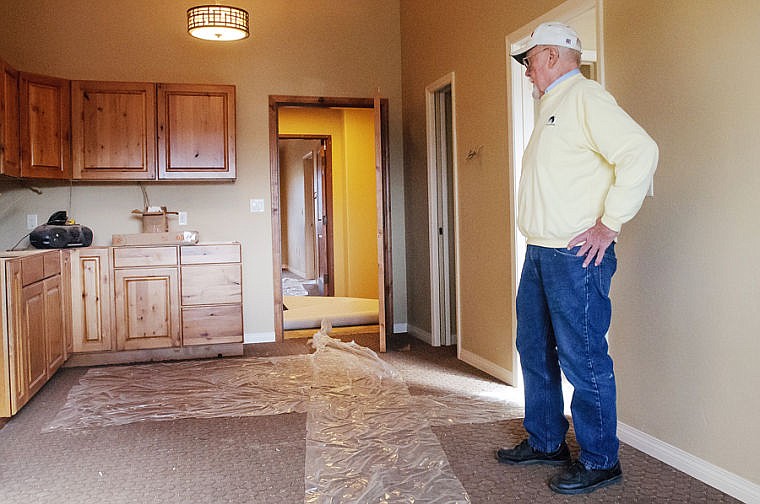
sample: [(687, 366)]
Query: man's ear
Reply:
[(553, 56)]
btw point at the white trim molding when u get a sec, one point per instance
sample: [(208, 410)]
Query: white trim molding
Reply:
[(486, 366), (261, 337), (710, 474), (420, 334), (400, 327)]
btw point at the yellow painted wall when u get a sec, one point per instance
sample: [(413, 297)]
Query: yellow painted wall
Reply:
[(311, 48), (361, 202), (354, 191)]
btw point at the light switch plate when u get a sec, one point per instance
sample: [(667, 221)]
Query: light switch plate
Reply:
[(182, 218), (31, 221), (257, 205)]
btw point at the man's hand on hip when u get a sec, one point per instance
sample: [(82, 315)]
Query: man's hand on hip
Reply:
[(595, 241)]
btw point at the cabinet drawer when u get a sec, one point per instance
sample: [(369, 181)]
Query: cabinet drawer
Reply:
[(205, 254), (211, 284), (32, 269), (206, 325), (51, 263), (130, 257)]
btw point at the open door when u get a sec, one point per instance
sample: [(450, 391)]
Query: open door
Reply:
[(384, 266), (324, 283)]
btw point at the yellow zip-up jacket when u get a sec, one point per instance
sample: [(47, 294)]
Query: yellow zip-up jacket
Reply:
[(586, 158)]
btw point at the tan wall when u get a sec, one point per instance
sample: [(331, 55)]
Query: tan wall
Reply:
[(353, 188), (310, 48), (685, 325), (471, 43), (685, 321)]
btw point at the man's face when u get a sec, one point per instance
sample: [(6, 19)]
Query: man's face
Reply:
[(537, 67)]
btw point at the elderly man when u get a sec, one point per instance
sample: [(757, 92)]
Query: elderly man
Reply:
[(586, 171)]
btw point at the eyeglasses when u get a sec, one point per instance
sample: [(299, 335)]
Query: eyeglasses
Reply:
[(526, 60)]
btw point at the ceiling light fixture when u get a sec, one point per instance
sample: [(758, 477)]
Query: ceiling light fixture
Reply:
[(217, 22)]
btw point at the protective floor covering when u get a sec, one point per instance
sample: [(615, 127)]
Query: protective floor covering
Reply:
[(367, 439)]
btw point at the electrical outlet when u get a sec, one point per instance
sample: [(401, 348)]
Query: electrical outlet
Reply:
[(31, 221), (257, 206), (182, 219)]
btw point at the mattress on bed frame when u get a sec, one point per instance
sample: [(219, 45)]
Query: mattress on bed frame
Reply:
[(307, 312)]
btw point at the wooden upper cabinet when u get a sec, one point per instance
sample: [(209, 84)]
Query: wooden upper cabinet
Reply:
[(196, 131), (10, 147), (45, 111), (113, 130)]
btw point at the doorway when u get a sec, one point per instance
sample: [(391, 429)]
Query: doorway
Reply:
[(306, 214), (380, 237), (442, 210), (586, 17)]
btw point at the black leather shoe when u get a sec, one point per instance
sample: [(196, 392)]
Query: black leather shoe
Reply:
[(576, 479), (524, 454)]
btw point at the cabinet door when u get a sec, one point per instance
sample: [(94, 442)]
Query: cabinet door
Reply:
[(54, 329), (18, 354), (10, 148), (113, 130), (147, 308), (45, 127), (33, 334), (196, 131), (91, 308)]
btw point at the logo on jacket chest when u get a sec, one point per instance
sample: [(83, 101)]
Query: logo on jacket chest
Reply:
[(551, 121)]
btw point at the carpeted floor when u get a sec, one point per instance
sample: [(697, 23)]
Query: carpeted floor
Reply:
[(261, 459)]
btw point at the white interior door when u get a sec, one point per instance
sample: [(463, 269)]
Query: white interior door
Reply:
[(442, 211)]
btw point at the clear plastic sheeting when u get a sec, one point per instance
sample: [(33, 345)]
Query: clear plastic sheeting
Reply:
[(366, 442), (454, 409), (118, 395)]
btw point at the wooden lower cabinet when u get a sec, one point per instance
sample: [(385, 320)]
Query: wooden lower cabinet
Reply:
[(166, 301), (212, 309), (33, 327)]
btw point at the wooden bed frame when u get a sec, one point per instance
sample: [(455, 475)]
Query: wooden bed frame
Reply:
[(364, 335)]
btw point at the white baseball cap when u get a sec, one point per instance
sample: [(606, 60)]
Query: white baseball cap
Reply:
[(553, 34)]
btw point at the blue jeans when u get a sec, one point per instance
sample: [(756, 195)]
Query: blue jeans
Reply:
[(563, 314)]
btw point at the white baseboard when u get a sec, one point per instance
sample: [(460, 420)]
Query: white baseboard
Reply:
[(486, 366), (420, 334), (726, 482), (262, 337)]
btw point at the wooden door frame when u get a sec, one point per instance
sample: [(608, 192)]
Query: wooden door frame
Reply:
[(383, 196), (327, 143)]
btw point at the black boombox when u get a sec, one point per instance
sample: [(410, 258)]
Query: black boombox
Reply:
[(57, 234)]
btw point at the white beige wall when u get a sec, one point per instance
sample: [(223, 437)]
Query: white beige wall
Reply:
[(315, 47), (438, 37), (686, 318), (686, 321)]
